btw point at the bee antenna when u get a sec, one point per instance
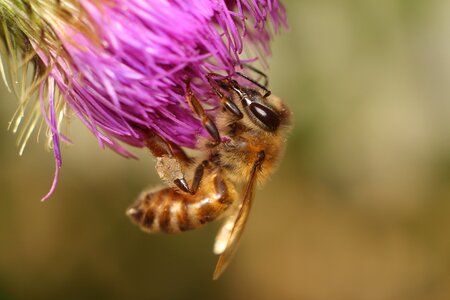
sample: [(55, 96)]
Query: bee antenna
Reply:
[(267, 92)]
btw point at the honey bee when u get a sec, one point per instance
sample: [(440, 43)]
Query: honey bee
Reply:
[(246, 141)]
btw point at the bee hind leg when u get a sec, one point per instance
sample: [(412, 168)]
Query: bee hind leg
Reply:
[(171, 160), (198, 175), (170, 171), (160, 146)]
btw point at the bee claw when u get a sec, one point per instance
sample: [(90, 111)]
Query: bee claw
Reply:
[(182, 184)]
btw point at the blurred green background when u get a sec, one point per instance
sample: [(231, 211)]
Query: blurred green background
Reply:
[(359, 208)]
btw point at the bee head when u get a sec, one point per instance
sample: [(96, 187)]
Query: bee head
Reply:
[(260, 111)]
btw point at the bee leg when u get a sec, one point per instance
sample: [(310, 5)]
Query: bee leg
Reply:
[(197, 108), (198, 175), (170, 160), (182, 184), (159, 147), (226, 101), (179, 153)]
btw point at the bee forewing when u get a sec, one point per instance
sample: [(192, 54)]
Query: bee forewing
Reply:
[(223, 236), (238, 223), (230, 244)]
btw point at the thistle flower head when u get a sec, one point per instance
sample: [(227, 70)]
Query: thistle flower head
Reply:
[(122, 65)]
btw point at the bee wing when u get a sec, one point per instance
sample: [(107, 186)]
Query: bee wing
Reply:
[(238, 221), (223, 236)]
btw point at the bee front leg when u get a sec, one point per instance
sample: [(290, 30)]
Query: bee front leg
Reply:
[(207, 123), (226, 101)]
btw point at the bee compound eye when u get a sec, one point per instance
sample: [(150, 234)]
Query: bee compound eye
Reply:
[(265, 115)]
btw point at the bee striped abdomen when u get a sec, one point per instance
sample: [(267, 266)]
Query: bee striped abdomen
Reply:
[(170, 210)]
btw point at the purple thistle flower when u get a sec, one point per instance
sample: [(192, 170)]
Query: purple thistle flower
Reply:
[(126, 68)]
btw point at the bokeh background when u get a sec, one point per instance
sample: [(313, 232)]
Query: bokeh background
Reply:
[(359, 208)]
